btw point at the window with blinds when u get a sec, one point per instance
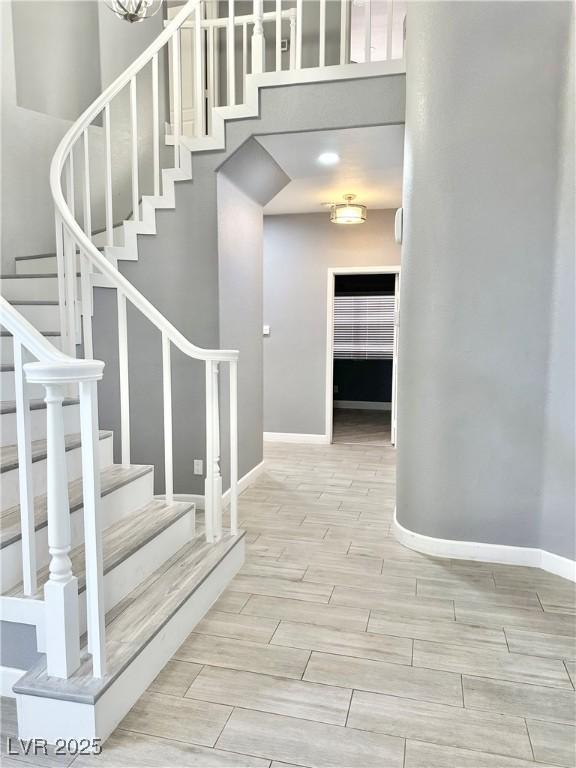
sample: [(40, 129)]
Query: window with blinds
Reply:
[(364, 327)]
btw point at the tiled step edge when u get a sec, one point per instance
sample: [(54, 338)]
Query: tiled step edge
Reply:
[(81, 686), (109, 482), (39, 452), (123, 539)]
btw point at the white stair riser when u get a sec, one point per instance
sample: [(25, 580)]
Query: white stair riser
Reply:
[(40, 265), (126, 576), (35, 391), (53, 719), (114, 506), (9, 491), (30, 288), (44, 317), (38, 424), (7, 347)]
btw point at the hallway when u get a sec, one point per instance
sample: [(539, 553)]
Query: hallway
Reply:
[(368, 427), (336, 646)]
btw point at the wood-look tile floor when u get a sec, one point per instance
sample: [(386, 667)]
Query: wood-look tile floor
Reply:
[(361, 426), (337, 647)]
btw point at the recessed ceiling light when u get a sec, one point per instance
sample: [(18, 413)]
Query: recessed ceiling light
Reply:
[(329, 158)]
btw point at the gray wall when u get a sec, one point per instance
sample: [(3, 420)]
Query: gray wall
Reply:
[(476, 380), (298, 250), (178, 272), (558, 523), (43, 69), (84, 47)]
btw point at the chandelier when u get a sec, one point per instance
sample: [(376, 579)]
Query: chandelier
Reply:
[(134, 10), (348, 212)]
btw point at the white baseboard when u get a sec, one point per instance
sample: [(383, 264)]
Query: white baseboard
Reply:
[(8, 677), (486, 553), (250, 477), (243, 483), (363, 405), (295, 437)]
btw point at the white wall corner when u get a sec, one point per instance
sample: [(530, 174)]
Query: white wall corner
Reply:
[(486, 553)]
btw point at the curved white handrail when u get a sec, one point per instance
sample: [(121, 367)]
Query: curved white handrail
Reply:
[(83, 241), (55, 364)]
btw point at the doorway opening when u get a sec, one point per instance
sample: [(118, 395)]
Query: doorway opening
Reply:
[(362, 355)]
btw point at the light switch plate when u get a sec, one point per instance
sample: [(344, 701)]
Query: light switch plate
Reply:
[(198, 467), (266, 330)]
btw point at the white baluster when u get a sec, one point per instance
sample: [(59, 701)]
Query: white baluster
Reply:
[(217, 477), (95, 609), (234, 448), (61, 589), (108, 178), (86, 288), (299, 15), (244, 58), (61, 269), (389, 28), (199, 100), (70, 263), (167, 393), (322, 44), (367, 30), (344, 31), (258, 42), (124, 379), (231, 55), (134, 144), (155, 126), (210, 61), (209, 481), (176, 97), (27, 525), (292, 40), (278, 35)]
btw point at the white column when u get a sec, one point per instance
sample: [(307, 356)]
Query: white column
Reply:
[(61, 589)]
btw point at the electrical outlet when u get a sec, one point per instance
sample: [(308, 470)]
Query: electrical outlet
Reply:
[(198, 467)]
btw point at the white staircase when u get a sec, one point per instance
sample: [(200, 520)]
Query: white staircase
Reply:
[(111, 577)]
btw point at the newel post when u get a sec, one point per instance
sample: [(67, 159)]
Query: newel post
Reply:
[(258, 41), (61, 589), (213, 482)]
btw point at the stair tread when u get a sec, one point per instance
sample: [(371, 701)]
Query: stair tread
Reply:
[(111, 478), (119, 541), (135, 621), (44, 333), (37, 404), (27, 275), (9, 453), (32, 302)]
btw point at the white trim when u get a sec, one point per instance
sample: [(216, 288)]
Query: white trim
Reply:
[(486, 553), (198, 499), (9, 676), (363, 405), (330, 283), (250, 477), (295, 437)]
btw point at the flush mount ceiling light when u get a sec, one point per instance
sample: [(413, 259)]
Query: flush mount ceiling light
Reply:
[(134, 10), (328, 158), (348, 212)]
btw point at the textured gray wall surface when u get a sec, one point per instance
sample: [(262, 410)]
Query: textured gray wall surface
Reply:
[(298, 250), (43, 69), (479, 258), (558, 524), (18, 645), (178, 272), (29, 136)]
